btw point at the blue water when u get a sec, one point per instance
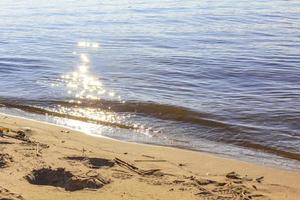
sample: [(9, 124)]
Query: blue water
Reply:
[(179, 73)]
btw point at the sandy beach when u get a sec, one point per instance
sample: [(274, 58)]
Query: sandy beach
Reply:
[(43, 161)]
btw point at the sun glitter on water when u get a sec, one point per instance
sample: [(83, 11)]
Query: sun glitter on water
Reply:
[(82, 84), (86, 44)]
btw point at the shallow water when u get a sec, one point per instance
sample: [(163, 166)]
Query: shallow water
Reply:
[(217, 76)]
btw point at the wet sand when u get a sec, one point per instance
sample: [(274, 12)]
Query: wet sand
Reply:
[(43, 161)]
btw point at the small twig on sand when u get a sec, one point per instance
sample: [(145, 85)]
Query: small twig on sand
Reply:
[(83, 152), (37, 149), (135, 169), (148, 156)]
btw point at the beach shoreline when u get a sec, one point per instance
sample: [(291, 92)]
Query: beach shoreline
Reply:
[(127, 170)]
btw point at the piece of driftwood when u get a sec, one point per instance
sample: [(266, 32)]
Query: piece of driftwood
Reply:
[(125, 164), (233, 175), (259, 180), (16, 135), (21, 136), (148, 156), (135, 169)]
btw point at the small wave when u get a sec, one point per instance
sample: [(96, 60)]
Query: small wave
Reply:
[(43, 111), (272, 150), (147, 109)]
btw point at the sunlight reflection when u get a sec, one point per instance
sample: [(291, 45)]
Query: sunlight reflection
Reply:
[(83, 86), (88, 44), (82, 83), (84, 58)]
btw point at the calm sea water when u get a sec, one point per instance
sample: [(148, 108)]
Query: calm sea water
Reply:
[(217, 76)]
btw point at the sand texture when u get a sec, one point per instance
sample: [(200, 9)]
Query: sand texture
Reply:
[(41, 161)]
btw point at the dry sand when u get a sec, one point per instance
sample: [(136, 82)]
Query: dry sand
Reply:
[(42, 161)]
